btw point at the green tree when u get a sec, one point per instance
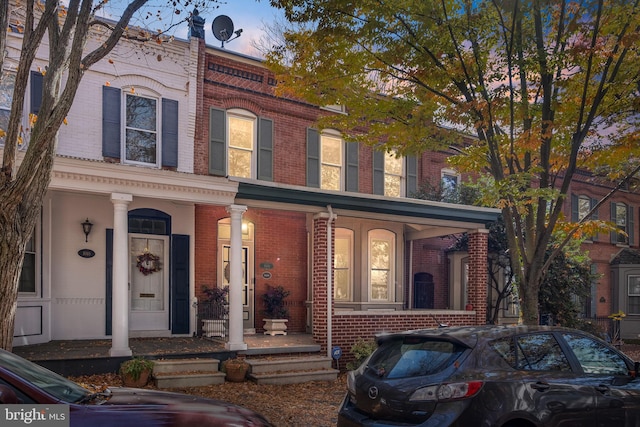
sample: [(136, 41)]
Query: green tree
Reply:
[(62, 29), (545, 87)]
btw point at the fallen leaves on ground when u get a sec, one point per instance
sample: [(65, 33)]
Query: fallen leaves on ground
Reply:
[(313, 403)]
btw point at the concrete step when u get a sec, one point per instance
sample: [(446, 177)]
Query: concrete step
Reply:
[(304, 363), (188, 379), (165, 366), (291, 370), (173, 373), (294, 377)]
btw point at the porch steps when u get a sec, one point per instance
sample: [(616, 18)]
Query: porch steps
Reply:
[(174, 373), (291, 370)]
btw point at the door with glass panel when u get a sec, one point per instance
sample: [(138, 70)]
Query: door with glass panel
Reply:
[(149, 280)]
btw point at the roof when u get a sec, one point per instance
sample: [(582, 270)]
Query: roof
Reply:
[(359, 202)]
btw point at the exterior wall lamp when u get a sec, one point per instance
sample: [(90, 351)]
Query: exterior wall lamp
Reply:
[(86, 228)]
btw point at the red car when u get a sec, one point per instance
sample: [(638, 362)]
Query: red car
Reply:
[(25, 383)]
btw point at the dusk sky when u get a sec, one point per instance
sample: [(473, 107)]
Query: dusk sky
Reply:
[(250, 15)]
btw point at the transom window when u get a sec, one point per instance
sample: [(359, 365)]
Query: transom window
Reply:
[(343, 264), (331, 161), (141, 129), (393, 175), (241, 127), (381, 265), (7, 82)]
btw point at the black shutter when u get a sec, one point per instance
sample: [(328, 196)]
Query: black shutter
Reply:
[(412, 176), (265, 149), (313, 158), (170, 133), (111, 128), (36, 92), (378, 172), (180, 284), (109, 282), (352, 179), (217, 142)]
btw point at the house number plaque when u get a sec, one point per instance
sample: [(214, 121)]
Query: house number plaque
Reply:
[(86, 253)]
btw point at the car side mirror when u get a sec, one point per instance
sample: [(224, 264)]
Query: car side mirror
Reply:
[(7, 395)]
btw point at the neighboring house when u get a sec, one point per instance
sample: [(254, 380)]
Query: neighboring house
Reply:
[(615, 256), (125, 164)]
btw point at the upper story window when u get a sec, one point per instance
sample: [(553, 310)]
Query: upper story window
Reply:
[(393, 175), (449, 183), (139, 127), (141, 130), (242, 136), (331, 162), (343, 265), (581, 205), (7, 81), (622, 216), (240, 144), (382, 261)]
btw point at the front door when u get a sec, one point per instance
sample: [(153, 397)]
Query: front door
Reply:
[(149, 280), (247, 284)]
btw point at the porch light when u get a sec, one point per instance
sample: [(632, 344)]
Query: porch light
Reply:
[(86, 228)]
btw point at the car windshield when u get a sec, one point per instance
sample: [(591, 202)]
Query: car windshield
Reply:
[(52, 383), (413, 356)]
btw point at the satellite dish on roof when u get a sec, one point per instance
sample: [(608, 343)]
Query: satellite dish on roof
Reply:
[(222, 28)]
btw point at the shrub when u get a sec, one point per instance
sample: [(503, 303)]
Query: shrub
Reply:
[(361, 350), (274, 302)]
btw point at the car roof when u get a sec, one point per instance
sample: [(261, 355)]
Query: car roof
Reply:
[(469, 335)]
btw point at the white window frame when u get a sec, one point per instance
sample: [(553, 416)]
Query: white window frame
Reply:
[(622, 239), (446, 173), (328, 133), (382, 234), (348, 235), (135, 91), (237, 113), (10, 99), (35, 237), (635, 294)]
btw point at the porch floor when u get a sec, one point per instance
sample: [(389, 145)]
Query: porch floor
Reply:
[(159, 347)]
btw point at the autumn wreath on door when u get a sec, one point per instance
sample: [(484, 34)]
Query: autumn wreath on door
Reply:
[(148, 263)]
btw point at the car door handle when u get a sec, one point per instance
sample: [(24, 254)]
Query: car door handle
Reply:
[(602, 388), (540, 386)]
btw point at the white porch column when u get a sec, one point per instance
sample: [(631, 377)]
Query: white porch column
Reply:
[(120, 291), (236, 328)]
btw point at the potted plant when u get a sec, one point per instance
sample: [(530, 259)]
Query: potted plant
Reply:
[(275, 312), (135, 372), (236, 369), (216, 311)]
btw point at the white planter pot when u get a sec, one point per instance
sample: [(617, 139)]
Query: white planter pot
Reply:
[(214, 328), (275, 326)]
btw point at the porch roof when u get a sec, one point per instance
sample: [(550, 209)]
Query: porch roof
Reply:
[(411, 210)]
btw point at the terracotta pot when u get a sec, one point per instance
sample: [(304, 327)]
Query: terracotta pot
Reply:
[(236, 372), (142, 381)]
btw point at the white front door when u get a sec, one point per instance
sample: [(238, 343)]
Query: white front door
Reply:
[(149, 283)]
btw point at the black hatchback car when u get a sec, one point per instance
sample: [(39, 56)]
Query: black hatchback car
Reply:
[(493, 376)]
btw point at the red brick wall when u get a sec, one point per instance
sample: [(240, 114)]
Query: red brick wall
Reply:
[(347, 329), (280, 239)]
